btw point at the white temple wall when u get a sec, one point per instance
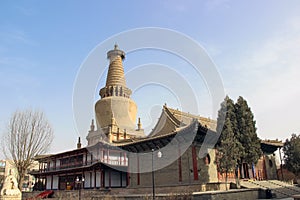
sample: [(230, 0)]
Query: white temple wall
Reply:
[(124, 179), (51, 164), (87, 180), (115, 179), (55, 182), (92, 181), (57, 163), (89, 158), (106, 179), (98, 179), (48, 184)]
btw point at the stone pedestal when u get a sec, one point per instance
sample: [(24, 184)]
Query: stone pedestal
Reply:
[(10, 190)]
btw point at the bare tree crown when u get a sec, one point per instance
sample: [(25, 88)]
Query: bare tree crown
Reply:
[(28, 134)]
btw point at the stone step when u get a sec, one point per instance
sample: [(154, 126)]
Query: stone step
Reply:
[(279, 188)]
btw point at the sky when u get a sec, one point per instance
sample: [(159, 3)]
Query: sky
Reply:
[(255, 46)]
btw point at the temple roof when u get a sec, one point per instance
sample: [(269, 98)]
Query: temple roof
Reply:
[(172, 120), (187, 118), (270, 146), (156, 137), (276, 142)]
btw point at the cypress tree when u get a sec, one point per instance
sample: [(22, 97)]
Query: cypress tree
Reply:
[(228, 147), (247, 135)]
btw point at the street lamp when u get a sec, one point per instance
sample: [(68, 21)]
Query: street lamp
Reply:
[(159, 155), (79, 185)]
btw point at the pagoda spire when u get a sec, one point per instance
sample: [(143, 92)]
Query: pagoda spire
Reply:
[(78, 143), (115, 76), (115, 80)]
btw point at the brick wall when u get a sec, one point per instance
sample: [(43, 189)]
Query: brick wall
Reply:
[(189, 169)]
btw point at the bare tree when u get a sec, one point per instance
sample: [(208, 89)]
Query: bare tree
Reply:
[(28, 134)]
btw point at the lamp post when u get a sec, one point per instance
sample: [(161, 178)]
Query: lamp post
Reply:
[(79, 185), (159, 155)]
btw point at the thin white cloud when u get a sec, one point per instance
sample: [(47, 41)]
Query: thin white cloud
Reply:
[(17, 64), (25, 11), (176, 6), (214, 4), (16, 37)]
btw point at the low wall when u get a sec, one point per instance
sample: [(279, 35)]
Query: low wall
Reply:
[(145, 191), (235, 194)]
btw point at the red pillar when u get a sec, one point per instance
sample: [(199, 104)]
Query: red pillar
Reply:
[(109, 177), (179, 164), (102, 178), (107, 156), (265, 168), (91, 175), (82, 175), (128, 169), (45, 182), (86, 158), (195, 167), (138, 169), (124, 160), (95, 178), (51, 182)]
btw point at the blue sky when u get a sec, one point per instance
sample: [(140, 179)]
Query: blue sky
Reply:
[(254, 44)]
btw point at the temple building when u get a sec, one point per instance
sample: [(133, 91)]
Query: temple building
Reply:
[(120, 155)]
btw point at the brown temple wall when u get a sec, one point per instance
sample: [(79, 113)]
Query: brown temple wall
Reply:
[(271, 167), (171, 176)]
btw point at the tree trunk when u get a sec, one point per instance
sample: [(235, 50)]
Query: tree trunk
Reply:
[(226, 179), (20, 177), (237, 180)]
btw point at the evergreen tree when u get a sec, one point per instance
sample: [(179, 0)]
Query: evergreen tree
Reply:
[(247, 133), (228, 147), (291, 151)]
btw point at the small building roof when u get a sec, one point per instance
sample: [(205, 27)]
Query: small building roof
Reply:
[(270, 146)]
